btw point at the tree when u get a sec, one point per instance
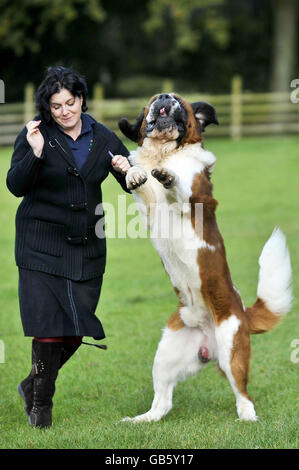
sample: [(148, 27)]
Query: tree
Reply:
[(182, 12), (284, 51), (23, 24)]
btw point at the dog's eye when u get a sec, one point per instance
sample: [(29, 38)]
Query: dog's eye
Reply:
[(181, 126)]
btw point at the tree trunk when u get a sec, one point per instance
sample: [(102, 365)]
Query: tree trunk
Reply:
[(284, 44)]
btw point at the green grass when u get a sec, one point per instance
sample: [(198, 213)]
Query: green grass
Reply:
[(256, 184)]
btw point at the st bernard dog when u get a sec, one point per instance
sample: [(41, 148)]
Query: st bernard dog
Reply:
[(171, 169)]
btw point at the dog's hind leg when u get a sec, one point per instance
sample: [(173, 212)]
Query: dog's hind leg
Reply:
[(176, 358), (233, 344)]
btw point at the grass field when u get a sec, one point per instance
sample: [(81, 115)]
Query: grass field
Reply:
[(256, 184)]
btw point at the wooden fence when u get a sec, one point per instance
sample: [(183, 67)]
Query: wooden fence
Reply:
[(240, 113)]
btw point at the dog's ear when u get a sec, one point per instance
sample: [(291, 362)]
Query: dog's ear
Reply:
[(204, 113), (132, 131)]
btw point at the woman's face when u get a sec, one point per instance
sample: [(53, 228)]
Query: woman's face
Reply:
[(66, 109)]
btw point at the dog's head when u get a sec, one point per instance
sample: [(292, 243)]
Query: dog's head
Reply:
[(169, 117)]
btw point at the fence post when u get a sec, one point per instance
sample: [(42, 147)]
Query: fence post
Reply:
[(236, 108), (2, 91), (28, 102), (98, 98)]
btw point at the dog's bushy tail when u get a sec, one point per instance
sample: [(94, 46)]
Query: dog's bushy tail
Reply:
[(274, 290)]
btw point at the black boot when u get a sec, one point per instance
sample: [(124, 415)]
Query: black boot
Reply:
[(26, 391), (48, 357), (25, 388), (67, 351)]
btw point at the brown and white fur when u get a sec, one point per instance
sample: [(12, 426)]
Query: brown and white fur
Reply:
[(171, 166)]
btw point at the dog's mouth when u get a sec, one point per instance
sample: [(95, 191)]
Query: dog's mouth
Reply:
[(166, 118)]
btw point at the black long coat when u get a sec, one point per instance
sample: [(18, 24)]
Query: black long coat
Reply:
[(55, 222)]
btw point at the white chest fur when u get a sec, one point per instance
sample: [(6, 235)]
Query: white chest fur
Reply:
[(168, 215)]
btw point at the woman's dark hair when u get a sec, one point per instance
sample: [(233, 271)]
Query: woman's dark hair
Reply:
[(55, 80)]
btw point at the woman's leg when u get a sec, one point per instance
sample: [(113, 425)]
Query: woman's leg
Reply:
[(69, 345), (47, 362)]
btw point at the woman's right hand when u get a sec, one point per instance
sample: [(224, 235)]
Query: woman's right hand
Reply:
[(35, 138)]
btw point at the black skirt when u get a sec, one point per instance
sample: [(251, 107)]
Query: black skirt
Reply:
[(53, 306)]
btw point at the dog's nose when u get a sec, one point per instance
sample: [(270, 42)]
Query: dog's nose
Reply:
[(164, 96)]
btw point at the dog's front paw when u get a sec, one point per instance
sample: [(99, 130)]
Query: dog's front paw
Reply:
[(164, 176), (135, 177), (146, 417)]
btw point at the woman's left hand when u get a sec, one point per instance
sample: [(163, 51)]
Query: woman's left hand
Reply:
[(120, 164)]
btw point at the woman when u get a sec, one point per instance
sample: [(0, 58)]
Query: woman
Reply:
[(60, 160)]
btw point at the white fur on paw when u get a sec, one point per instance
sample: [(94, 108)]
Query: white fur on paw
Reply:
[(135, 177), (246, 410), (127, 419), (146, 417)]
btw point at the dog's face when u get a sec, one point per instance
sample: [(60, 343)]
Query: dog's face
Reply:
[(168, 117)]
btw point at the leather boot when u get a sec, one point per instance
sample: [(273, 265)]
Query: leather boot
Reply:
[(68, 349), (47, 357), (25, 388)]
